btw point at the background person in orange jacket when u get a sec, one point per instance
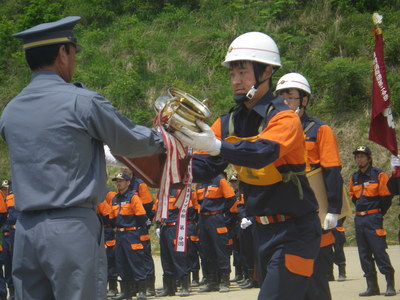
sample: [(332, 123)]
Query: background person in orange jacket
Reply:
[(104, 209), (372, 199), (213, 233), (141, 188), (129, 215), (322, 152), (3, 216), (264, 141)]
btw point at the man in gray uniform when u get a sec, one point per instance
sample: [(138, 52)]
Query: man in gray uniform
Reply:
[(55, 132)]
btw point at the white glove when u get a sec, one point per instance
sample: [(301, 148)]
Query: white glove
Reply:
[(110, 159), (203, 141), (330, 221), (158, 232), (148, 222), (245, 223), (395, 161)]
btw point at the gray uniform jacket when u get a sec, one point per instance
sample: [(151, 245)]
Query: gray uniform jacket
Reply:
[(55, 133)]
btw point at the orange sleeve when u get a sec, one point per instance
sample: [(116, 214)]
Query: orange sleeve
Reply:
[(351, 192), (10, 200), (383, 179), (137, 205), (110, 195), (3, 206), (193, 199), (286, 130), (145, 194), (216, 127), (226, 188), (104, 208), (328, 147)]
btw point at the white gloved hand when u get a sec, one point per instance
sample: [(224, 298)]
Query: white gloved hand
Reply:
[(202, 141), (395, 161), (245, 223), (158, 232), (110, 159), (330, 221), (148, 222)]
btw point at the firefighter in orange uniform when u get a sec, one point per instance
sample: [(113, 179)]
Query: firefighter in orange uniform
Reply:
[(176, 265), (141, 188), (322, 152), (372, 199), (104, 209), (129, 215), (264, 140), (3, 215), (213, 233), (8, 238)]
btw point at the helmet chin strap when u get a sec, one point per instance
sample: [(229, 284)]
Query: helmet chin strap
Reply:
[(242, 98)]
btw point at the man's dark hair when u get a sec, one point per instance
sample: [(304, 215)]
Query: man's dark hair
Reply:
[(39, 57)]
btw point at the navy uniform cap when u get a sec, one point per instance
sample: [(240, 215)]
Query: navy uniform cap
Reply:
[(58, 32)]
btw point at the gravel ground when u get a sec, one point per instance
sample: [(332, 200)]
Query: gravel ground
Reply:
[(347, 290)]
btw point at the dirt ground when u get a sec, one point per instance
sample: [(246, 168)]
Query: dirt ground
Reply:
[(347, 290)]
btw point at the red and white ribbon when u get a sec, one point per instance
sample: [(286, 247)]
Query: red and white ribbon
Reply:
[(183, 203)]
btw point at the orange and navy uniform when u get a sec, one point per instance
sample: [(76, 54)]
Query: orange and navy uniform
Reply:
[(144, 194), (323, 152), (372, 199), (104, 210), (174, 263), (3, 207), (129, 215), (369, 191), (266, 145), (3, 216), (219, 197), (268, 162)]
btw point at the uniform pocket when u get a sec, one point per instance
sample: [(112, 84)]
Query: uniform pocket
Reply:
[(144, 237), (299, 265), (110, 243), (137, 246), (221, 230), (380, 232)]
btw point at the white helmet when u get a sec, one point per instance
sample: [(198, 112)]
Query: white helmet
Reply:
[(253, 46), (293, 81)]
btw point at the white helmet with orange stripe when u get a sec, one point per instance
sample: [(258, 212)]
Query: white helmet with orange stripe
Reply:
[(293, 81), (253, 46)]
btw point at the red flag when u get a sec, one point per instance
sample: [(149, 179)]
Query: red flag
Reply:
[(381, 129)]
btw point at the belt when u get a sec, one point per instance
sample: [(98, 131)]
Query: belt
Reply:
[(125, 228), (265, 220), (211, 213), (176, 223), (368, 212)]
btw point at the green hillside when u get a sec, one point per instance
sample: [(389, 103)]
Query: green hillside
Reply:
[(135, 49)]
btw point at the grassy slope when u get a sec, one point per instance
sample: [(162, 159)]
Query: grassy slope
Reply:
[(132, 62)]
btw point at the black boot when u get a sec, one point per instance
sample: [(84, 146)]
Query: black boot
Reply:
[(141, 290), (195, 278), (125, 291), (372, 287), (185, 286), (212, 284), (342, 273), (238, 274), (224, 283), (244, 279), (390, 291), (169, 286), (112, 288), (150, 288)]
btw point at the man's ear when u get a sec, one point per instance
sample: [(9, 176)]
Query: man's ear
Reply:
[(304, 101), (267, 74), (62, 55)]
